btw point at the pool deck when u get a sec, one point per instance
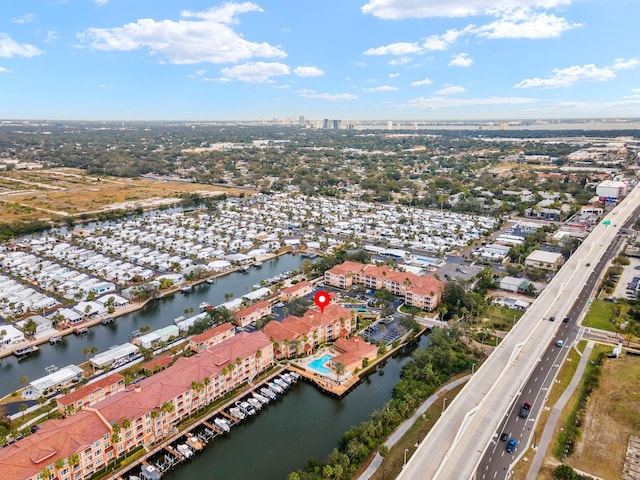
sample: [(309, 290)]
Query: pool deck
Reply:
[(330, 386)]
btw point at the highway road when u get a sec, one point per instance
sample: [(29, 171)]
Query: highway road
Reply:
[(497, 462), (454, 448)]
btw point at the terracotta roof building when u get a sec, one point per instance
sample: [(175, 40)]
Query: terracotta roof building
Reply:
[(420, 291), (91, 393), (212, 337), (299, 335)]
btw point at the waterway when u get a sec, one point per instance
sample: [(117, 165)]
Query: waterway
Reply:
[(156, 314), (305, 423)]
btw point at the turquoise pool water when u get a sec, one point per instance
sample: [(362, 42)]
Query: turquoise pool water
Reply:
[(319, 364)]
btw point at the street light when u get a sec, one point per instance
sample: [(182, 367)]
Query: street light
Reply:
[(473, 367), (405, 457), (444, 404)]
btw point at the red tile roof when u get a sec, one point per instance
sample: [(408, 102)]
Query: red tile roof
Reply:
[(87, 390), (218, 329), (56, 439), (296, 287), (251, 308), (170, 383), (346, 267)]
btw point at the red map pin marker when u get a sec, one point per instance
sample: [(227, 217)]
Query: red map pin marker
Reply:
[(322, 299)]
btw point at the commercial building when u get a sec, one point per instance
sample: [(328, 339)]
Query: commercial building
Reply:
[(545, 260)]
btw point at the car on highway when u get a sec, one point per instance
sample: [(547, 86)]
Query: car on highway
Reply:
[(552, 318), (560, 343), (565, 319), (524, 410), (505, 436), (511, 445)]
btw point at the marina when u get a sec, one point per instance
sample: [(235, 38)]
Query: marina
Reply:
[(181, 447), (28, 350)]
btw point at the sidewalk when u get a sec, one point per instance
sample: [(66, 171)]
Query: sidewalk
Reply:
[(554, 417), (406, 425)]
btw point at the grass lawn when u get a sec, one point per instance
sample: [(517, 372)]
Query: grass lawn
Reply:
[(392, 463), (600, 315)]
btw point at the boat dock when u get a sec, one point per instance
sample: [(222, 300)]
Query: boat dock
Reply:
[(178, 447)]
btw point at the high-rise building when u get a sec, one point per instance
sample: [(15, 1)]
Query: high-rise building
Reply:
[(336, 124)]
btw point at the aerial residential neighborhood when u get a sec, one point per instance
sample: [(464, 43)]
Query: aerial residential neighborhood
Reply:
[(464, 251)]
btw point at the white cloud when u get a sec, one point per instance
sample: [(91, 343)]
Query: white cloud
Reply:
[(26, 18), (394, 75), (52, 35), (381, 88), (308, 72), (258, 72), (327, 96), (625, 63), (400, 61), (525, 23), (397, 9), (198, 37), (399, 48), (10, 48), (460, 60), (420, 83), (452, 90), (441, 42), (100, 3), (566, 77), (3, 70)]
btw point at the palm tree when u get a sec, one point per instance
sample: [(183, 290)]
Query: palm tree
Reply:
[(74, 461), (45, 474), (58, 465), (339, 368)]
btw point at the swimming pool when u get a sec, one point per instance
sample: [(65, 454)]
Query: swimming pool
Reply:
[(319, 364)]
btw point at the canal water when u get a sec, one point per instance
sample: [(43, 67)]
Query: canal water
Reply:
[(304, 423), (156, 314)]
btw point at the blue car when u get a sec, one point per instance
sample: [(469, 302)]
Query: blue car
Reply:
[(511, 446)]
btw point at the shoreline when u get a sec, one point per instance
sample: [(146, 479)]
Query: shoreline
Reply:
[(134, 306)]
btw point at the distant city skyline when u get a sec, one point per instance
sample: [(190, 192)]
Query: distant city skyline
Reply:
[(390, 60)]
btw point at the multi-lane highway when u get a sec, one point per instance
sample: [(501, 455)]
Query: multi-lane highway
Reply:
[(456, 445), (497, 462)]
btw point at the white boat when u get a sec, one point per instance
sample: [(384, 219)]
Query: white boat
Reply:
[(255, 403), (258, 263), (287, 378), (203, 306), (261, 398), (237, 413), (267, 392), (211, 280), (295, 375), (275, 387), (246, 407), (179, 319), (186, 288), (20, 352), (222, 424), (281, 383), (149, 472), (133, 477), (185, 450), (55, 339)]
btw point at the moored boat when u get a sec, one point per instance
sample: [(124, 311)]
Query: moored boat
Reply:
[(261, 398), (246, 407), (267, 392), (194, 442), (55, 339), (222, 424), (21, 352), (254, 403), (184, 449), (275, 387), (237, 413)]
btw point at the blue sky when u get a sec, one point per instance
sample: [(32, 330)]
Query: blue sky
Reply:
[(343, 59)]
